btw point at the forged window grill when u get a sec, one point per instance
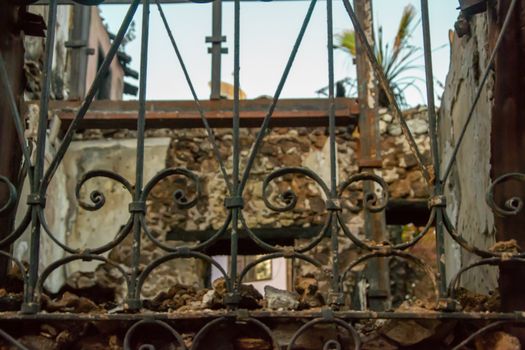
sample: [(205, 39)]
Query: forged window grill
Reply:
[(336, 313)]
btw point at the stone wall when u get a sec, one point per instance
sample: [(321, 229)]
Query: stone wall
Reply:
[(114, 150)]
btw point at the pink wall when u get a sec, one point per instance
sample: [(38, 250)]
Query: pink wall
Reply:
[(99, 39)]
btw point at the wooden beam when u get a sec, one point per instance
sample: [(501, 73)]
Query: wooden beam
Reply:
[(184, 115)]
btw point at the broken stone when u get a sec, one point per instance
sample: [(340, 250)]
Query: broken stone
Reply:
[(278, 299), (497, 341), (308, 289), (383, 127), (250, 297), (394, 130), (69, 302), (400, 189), (178, 297), (510, 246), (474, 302), (417, 126), (387, 118), (207, 299)]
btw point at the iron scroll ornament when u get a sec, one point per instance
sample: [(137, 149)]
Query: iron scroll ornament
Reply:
[(11, 198)]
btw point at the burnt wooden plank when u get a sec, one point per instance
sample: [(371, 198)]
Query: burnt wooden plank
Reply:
[(184, 114)]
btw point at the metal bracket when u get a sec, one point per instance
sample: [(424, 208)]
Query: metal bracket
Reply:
[(437, 201), (232, 299), (137, 207), (288, 252), (234, 202), (242, 315), (333, 204), (36, 199), (224, 50), (75, 44), (327, 314), (216, 40), (370, 163), (184, 251)]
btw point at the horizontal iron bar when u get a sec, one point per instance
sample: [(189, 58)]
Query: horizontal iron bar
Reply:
[(183, 115), (207, 315)]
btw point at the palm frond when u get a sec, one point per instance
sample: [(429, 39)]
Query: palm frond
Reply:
[(405, 27), (396, 58), (346, 42)]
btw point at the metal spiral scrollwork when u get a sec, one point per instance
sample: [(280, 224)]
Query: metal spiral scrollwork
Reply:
[(512, 206), (370, 201), (495, 261), (179, 196), (331, 344), (131, 332), (11, 198), (9, 206), (97, 198), (182, 201), (77, 257), (240, 321), (342, 257), (289, 201), (289, 198), (425, 268)]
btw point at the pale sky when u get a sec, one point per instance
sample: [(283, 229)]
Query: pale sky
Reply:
[(268, 32)]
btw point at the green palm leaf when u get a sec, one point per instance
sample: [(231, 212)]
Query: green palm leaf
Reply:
[(396, 59)]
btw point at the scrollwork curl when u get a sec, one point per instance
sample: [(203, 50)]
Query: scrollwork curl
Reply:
[(371, 201), (289, 197), (12, 195), (332, 345), (162, 324), (336, 321), (512, 206), (179, 196), (97, 197)]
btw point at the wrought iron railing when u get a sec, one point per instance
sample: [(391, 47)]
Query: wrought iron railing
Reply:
[(336, 313)]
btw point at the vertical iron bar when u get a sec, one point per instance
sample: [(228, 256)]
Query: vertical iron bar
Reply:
[(138, 213), (236, 150), (370, 156), (383, 82), (433, 132), (266, 122), (336, 298), (37, 202), (90, 96), (216, 50), (209, 130)]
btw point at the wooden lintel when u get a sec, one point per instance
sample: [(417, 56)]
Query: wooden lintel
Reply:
[(184, 114)]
